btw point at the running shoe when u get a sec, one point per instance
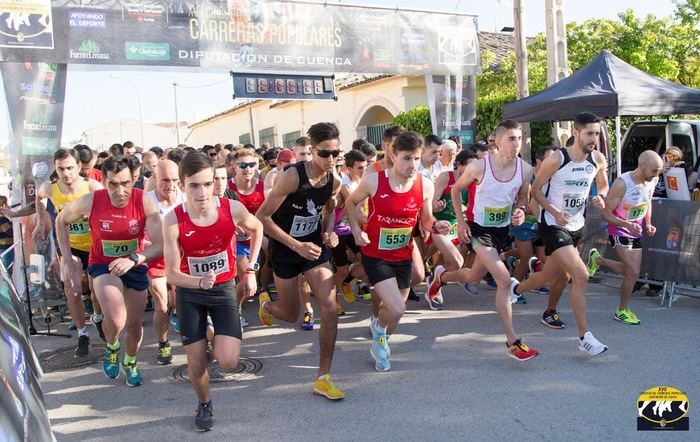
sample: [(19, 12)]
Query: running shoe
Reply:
[(380, 352), (412, 295), (110, 363), (175, 322), (204, 419), (242, 320), (365, 293), (89, 309), (348, 295), (471, 289), (534, 265), (511, 263), (98, 326), (626, 316), (133, 377), (324, 386), (165, 356), (265, 317), (372, 324), (518, 350), (550, 318), (83, 348), (520, 300), (339, 310), (514, 296), (591, 345), (308, 322), (593, 266), (72, 326), (542, 290), (434, 287)]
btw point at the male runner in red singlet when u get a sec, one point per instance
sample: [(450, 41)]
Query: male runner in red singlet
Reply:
[(119, 216), (200, 261), (397, 198)]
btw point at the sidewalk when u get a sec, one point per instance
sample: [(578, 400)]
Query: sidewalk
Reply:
[(450, 379)]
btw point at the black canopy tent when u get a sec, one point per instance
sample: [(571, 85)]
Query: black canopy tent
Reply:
[(608, 87)]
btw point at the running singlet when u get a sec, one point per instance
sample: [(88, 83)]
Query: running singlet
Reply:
[(633, 206), (205, 248), (341, 227), (299, 215), (79, 231), (491, 200), (159, 263), (392, 217), (116, 232), (568, 189), (448, 213), (253, 200)]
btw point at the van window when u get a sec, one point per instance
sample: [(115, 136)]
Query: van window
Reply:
[(635, 146)]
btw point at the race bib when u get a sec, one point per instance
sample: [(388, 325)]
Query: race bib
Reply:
[(304, 225), (199, 266), (452, 233), (530, 219), (119, 248), (573, 203), (80, 228), (496, 216), (393, 239), (637, 212)]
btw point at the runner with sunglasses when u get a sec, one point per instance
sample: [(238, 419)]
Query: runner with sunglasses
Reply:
[(298, 216)]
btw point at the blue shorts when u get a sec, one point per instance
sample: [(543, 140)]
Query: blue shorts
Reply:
[(135, 279), (524, 232), (243, 248)]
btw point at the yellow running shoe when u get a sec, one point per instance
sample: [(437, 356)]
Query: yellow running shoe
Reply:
[(324, 386), (348, 295), (264, 316), (339, 310)]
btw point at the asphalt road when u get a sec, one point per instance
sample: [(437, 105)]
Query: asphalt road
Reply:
[(450, 379)]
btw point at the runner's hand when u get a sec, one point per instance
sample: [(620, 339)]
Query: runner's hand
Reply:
[(120, 266), (439, 206), (308, 250), (598, 202), (441, 227), (330, 239), (517, 217), (250, 284), (651, 230), (71, 270), (362, 239), (464, 232), (634, 229), (562, 218), (207, 281)]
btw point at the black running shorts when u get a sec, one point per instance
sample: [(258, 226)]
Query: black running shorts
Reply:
[(219, 302), (378, 270), (555, 237)]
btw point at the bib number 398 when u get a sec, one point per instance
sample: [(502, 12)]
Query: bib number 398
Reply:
[(393, 239), (199, 266), (496, 216)]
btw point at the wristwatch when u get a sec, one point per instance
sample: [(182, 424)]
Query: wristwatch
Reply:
[(252, 267), (134, 257)]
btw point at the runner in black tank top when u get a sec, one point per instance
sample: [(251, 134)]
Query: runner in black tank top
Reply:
[(298, 217)]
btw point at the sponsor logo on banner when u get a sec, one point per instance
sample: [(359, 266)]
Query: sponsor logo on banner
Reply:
[(143, 11), (39, 126), (88, 50), (35, 146), (26, 24), (87, 19), (455, 46), (147, 51), (663, 408), (673, 238)]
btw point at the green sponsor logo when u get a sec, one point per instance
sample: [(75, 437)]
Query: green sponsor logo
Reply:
[(37, 146), (147, 51)]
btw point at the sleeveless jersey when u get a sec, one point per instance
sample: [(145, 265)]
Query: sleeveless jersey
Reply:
[(79, 231), (299, 215), (205, 248), (253, 200), (341, 227), (448, 213), (392, 217), (491, 200), (633, 206), (568, 189), (159, 263), (116, 232)]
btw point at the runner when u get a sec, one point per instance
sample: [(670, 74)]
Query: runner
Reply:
[(166, 196), (630, 198), (291, 216), (200, 261), (68, 188), (118, 217), (398, 198), (502, 179), (566, 178)]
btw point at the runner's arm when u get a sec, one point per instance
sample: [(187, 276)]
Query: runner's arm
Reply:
[(250, 225), (328, 219), (427, 221), (617, 191), (366, 189), (154, 230), (601, 178), (518, 213), (29, 209), (95, 185), (286, 183), (41, 214), (72, 213), (472, 172), (440, 185), (171, 252), (547, 169)]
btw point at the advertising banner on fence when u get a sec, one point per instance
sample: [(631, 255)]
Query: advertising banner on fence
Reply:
[(35, 95), (242, 35), (670, 255), (452, 100)]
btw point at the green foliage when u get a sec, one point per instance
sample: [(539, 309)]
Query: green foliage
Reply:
[(416, 119)]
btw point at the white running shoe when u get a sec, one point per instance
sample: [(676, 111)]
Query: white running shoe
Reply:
[(591, 345), (513, 296)]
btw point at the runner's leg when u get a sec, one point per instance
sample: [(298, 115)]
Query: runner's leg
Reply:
[(320, 279)]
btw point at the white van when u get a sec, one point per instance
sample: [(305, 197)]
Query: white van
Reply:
[(658, 135)]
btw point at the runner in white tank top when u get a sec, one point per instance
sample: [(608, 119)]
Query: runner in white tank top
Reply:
[(502, 179), (566, 180)]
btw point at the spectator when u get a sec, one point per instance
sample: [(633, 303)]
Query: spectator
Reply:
[(116, 149), (6, 238)]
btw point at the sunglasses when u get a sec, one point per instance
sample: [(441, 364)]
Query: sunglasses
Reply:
[(212, 154), (247, 165), (327, 153)]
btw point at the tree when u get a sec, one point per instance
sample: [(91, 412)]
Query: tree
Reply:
[(416, 119)]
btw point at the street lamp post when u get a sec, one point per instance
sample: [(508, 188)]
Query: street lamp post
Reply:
[(138, 97), (177, 118)]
